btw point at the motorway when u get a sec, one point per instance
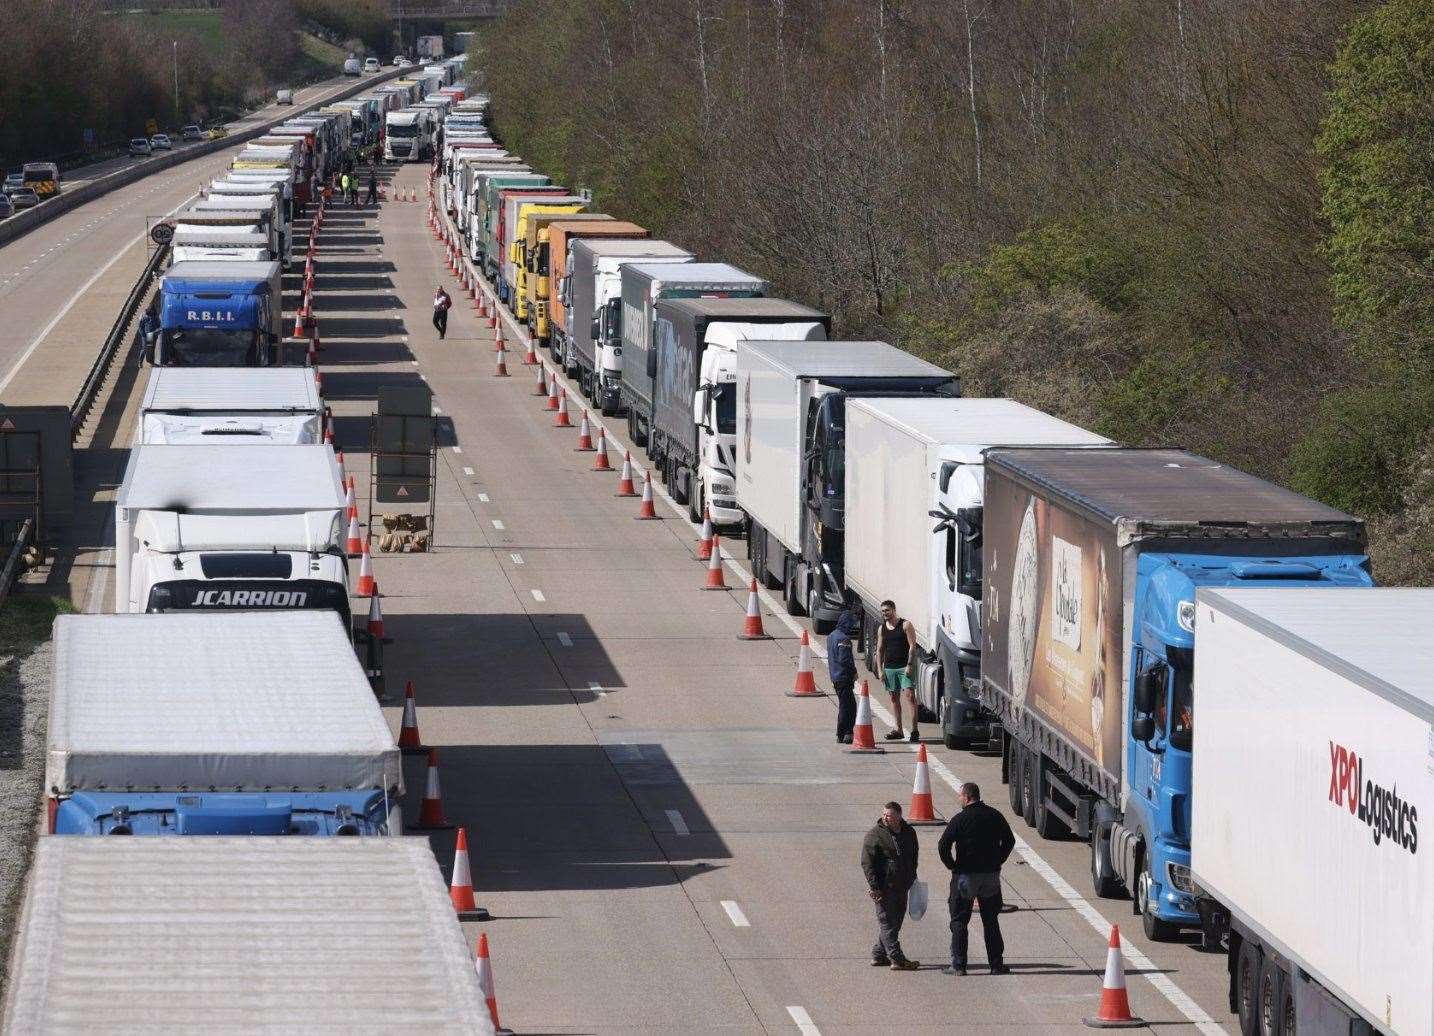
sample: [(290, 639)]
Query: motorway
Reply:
[(667, 843)]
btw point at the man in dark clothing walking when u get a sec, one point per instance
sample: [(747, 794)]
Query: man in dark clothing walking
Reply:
[(372, 198), (974, 846), (841, 665), (888, 859), (441, 304)]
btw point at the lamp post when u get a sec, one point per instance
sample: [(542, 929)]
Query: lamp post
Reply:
[(175, 51)]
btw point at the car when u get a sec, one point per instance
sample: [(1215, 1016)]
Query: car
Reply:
[(7, 207), (370, 65), (192, 133), (284, 97), (160, 142), (24, 198), (14, 180), (140, 147)]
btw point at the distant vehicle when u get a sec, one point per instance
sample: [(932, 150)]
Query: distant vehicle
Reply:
[(7, 207), (192, 133), (352, 66), (140, 147), (160, 142), (24, 198), (371, 65), (401, 62), (41, 177), (14, 180), (284, 97), (217, 131)]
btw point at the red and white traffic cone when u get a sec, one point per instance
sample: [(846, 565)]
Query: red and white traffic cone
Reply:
[(375, 618), (1114, 1010), (923, 810), (645, 511), (704, 545), (806, 682), (715, 580), (367, 585), (460, 887), (600, 462), (542, 389), (502, 371), (298, 325), (485, 980), (430, 813), (863, 737), (585, 435), (354, 547), (532, 357), (350, 508), (328, 436), (562, 420), (752, 627), (498, 345), (553, 393), (624, 484), (409, 743)]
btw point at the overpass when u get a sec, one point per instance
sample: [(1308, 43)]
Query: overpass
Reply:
[(443, 10)]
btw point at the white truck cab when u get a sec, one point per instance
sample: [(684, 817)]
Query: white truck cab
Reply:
[(193, 405)]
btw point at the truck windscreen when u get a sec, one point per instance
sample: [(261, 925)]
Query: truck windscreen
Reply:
[(210, 347), (725, 401), (402, 131)]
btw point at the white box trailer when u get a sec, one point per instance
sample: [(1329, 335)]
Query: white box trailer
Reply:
[(1313, 760), (238, 244), (230, 404), (242, 935), (915, 478), (197, 723)]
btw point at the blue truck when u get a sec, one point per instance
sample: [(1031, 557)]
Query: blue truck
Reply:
[(218, 313), (216, 723), (1090, 563)]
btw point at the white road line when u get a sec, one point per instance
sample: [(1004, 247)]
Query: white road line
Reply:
[(467, 471), (458, 449), (565, 640), (438, 410), (482, 498), (805, 1025), (538, 596), (497, 524), (597, 688), (679, 826), (739, 919), (517, 559)]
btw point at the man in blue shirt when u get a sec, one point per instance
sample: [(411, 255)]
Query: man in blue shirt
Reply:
[(841, 665)]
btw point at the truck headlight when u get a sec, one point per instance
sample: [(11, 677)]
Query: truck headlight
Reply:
[(1185, 615), (1179, 876)]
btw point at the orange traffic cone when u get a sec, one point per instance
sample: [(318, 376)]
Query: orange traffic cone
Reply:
[(806, 684), (553, 392), (704, 545), (600, 462), (585, 436), (485, 980), (350, 508), (646, 512), (502, 371), (624, 485), (922, 810), (355, 545), (1114, 1010), (714, 567), (409, 743), (752, 628), (339, 459), (562, 420), (532, 356), (367, 585), (863, 738), (430, 813), (375, 618), (481, 304), (498, 342), (328, 436), (460, 888), (542, 389)]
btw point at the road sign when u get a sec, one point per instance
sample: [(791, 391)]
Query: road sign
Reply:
[(151, 127), (162, 233)]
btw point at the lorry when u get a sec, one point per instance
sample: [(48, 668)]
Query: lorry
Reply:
[(408, 135), (223, 217), (1090, 562), (1311, 767), (250, 723), (219, 313), (240, 404), (915, 483), (538, 263), (191, 532), (484, 201), (468, 165), (590, 348), (642, 286), (177, 933), (517, 266), (429, 47), (238, 243), (505, 238), (791, 456), (550, 325), (239, 193), (694, 394)]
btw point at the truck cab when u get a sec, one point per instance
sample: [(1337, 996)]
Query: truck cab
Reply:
[(193, 405), (218, 314), (524, 241)]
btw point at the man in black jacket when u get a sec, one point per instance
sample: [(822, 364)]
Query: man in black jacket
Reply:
[(841, 665), (982, 842), (888, 859)]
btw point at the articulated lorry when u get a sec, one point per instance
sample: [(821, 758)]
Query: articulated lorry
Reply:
[(643, 285), (185, 405), (694, 398), (504, 254), (219, 313), (590, 348), (484, 203), (551, 326), (1090, 563), (516, 268), (791, 456), (408, 135), (915, 488), (224, 244), (270, 935), (224, 218), (535, 281), (255, 723), (242, 194), (1311, 769), (192, 531)]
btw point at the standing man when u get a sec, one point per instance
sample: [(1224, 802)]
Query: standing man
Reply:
[(841, 666), (896, 654), (974, 846), (344, 185), (888, 859), (441, 304), (372, 198)]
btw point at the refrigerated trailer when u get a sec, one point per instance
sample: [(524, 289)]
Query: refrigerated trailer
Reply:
[(225, 405), (1314, 760)]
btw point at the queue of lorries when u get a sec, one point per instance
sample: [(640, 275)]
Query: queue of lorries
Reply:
[(1056, 582), (224, 696)]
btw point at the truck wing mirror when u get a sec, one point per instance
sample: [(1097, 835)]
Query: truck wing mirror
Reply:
[(1142, 727), (1148, 686), (652, 363)]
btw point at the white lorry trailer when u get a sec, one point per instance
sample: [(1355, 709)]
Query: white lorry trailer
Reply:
[(256, 723), (237, 243), (1313, 760), (245, 934), (915, 488), (230, 404), (229, 527)]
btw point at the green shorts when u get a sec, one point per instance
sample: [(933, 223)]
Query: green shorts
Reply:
[(896, 679)]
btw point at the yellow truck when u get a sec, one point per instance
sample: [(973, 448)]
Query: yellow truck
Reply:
[(536, 262), (517, 248)]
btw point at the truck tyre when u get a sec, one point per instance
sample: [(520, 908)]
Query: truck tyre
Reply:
[(1102, 871), (696, 498), (1155, 929), (1030, 767), (819, 626), (1245, 983), (791, 595), (1048, 825), (1271, 1000), (948, 739), (1013, 775)]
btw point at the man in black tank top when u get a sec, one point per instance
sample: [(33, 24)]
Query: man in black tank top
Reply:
[(896, 654)]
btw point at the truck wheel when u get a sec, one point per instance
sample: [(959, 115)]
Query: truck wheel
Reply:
[(943, 708), (791, 596), (1246, 981), (1102, 871), (1030, 768), (1048, 825), (1272, 996), (1156, 930), (695, 501), (819, 626), (1013, 775)]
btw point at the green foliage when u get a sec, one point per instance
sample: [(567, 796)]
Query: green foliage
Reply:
[(25, 621), (1084, 257)]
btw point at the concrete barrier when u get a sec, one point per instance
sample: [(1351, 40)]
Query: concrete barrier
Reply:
[(23, 222)]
